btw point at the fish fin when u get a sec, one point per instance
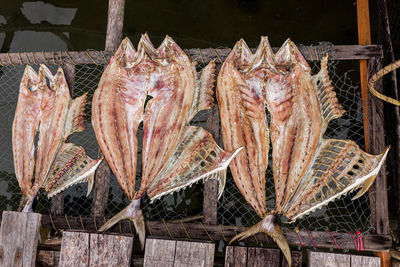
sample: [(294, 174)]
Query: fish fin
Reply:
[(268, 226), (367, 184), (328, 102), (134, 214), (203, 94), (71, 166), (76, 116), (206, 159), (339, 168)]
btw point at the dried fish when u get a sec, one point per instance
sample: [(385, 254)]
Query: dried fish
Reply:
[(175, 155), (50, 112), (309, 171)]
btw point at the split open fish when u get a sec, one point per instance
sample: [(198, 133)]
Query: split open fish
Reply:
[(175, 154), (49, 115), (309, 170)]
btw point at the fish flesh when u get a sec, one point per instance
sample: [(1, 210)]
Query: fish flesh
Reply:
[(309, 170), (49, 114), (161, 88)]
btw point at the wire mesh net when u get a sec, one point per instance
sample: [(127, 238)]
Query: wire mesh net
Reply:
[(341, 215)]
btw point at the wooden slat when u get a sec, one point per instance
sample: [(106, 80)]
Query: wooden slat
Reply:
[(19, 238), (340, 52), (110, 250), (84, 249), (189, 254), (365, 261), (321, 259), (74, 249), (236, 256), (259, 257), (47, 258), (159, 253), (297, 258), (371, 242)]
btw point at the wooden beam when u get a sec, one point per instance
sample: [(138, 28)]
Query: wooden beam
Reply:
[(197, 231), (340, 52)]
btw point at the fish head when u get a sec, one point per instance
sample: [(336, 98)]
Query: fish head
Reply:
[(60, 83), (169, 51), (125, 53), (289, 57), (30, 81)]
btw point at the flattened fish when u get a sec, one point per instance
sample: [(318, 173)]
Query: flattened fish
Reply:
[(56, 117), (175, 155), (25, 124), (309, 171)]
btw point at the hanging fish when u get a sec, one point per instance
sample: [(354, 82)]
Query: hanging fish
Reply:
[(50, 115), (175, 154), (309, 170)]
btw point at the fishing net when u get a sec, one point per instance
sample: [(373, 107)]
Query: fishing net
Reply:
[(341, 215)]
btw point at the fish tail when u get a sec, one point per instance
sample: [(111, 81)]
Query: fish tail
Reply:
[(26, 204), (132, 212), (269, 226)]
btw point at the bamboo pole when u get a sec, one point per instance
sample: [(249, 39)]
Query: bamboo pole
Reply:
[(113, 39)]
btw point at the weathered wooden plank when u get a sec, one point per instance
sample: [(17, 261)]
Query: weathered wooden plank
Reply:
[(320, 259), (110, 250), (259, 257), (340, 52), (365, 261), (297, 258), (19, 238), (74, 249), (236, 256), (47, 258), (188, 254), (159, 252), (371, 242)]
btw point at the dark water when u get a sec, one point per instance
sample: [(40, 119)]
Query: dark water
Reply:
[(80, 25)]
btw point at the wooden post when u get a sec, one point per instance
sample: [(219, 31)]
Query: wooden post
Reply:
[(115, 24), (57, 202), (19, 238), (210, 201), (113, 39), (381, 221), (385, 38), (364, 37)]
